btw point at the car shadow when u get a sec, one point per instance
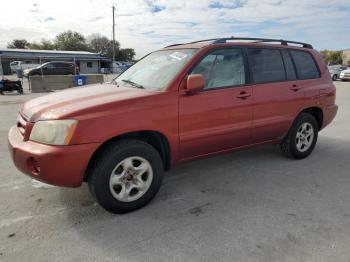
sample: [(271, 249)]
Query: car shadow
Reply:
[(224, 195)]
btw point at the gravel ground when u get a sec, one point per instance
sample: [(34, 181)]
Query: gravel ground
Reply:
[(251, 205)]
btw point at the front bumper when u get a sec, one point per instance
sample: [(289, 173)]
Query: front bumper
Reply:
[(55, 165), (344, 77)]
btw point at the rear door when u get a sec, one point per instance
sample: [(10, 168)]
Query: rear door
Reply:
[(219, 117), (310, 78), (277, 94)]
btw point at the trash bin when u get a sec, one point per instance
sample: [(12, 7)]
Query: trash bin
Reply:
[(80, 80)]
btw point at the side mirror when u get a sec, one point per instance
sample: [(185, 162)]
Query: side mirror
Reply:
[(195, 83)]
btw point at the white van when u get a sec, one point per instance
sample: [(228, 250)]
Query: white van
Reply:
[(15, 65)]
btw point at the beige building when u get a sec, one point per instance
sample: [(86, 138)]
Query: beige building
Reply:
[(346, 57)]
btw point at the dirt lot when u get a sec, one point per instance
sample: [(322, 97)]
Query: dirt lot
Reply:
[(252, 205)]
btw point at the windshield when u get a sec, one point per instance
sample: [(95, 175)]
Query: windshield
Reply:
[(156, 70)]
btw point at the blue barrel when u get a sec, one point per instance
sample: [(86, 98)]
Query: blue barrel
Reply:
[(80, 80)]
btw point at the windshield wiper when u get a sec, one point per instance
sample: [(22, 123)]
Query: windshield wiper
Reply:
[(133, 84)]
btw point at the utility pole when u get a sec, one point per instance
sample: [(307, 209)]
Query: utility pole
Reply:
[(113, 9)]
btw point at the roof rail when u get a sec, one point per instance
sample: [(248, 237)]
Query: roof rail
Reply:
[(256, 40), (205, 40), (261, 40)]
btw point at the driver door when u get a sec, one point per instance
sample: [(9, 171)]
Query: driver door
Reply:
[(219, 117)]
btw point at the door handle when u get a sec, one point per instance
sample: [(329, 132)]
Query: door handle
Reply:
[(295, 88), (243, 95)]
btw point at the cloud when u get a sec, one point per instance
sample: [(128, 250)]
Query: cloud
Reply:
[(147, 25), (48, 19)]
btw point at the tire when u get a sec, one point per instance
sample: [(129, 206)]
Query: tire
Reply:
[(334, 77), (117, 169), (290, 146)]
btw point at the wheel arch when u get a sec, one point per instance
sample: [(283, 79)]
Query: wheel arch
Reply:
[(315, 112), (155, 138)]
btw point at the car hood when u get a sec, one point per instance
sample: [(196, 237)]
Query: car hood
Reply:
[(346, 71), (70, 102)]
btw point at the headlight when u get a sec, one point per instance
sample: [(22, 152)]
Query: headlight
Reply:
[(53, 132)]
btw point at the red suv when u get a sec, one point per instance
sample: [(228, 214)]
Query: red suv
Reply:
[(180, 103)]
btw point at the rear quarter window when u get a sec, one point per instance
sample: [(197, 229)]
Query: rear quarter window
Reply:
[(305, 65)]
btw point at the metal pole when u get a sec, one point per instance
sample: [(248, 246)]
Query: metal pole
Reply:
[(41, 68), (113, 58), (1, 70), (75, 67)]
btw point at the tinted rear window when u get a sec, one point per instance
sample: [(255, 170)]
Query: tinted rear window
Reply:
[(305, 64), (266, 65), (288, 64)]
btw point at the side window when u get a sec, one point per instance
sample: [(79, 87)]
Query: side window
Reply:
[(305, 65), (288, 64), (50, 66), (89, 64), (266, 65), (222, 68)]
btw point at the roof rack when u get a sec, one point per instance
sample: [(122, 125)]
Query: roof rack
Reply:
[(255, 40), (205, 40), (262, 40)]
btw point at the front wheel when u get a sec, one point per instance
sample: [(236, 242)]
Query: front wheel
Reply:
[(126, 175), (334, 77), (301, 138)]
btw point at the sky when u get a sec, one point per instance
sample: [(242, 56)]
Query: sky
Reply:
[(146, 25)]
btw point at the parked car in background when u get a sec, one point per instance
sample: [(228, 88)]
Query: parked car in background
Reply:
[(335, 71), (180, 103), (119, 67), (345, 75), (22, 65), (52, 68)]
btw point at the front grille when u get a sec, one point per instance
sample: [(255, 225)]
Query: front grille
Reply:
[(21, 125)]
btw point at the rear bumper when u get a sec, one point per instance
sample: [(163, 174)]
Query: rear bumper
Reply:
[(329, 114), (58, 165)]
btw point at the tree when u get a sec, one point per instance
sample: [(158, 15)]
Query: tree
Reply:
[(125, 54), (102, 45), (332, 57), (43, 45), (71, 41), (18, 43), (336, 57)]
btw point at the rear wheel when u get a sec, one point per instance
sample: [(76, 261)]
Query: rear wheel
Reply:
[(126, 175), (301, 138)]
